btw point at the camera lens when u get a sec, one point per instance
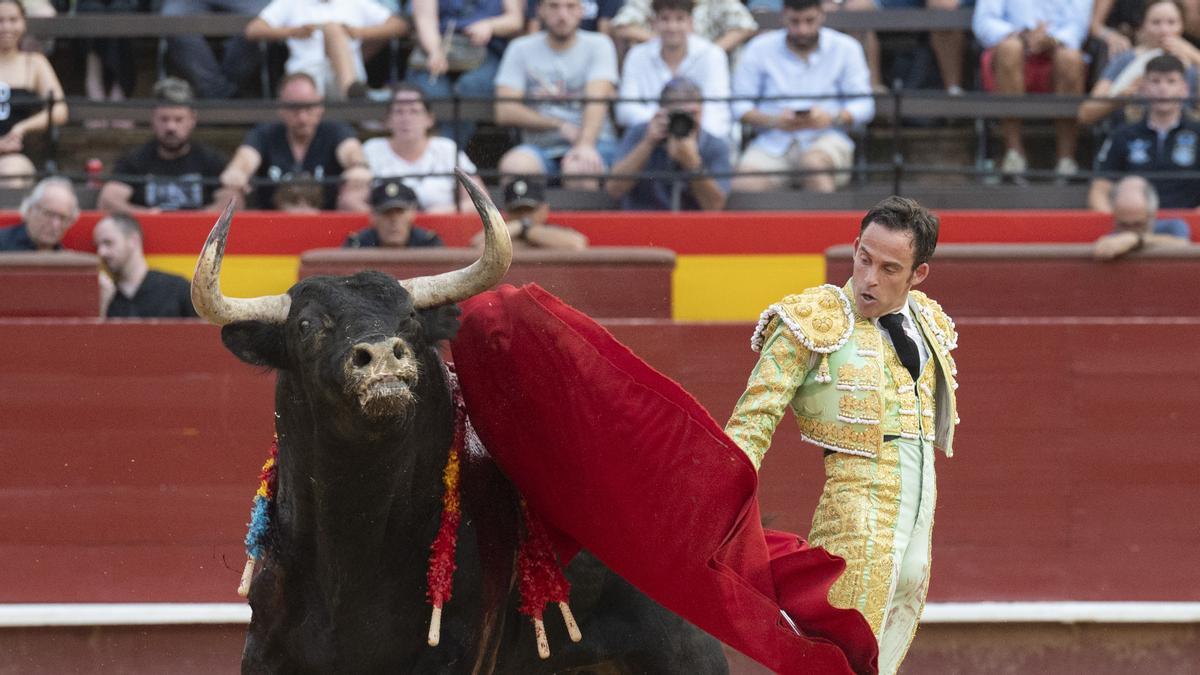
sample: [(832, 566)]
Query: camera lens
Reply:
[(680, 124)]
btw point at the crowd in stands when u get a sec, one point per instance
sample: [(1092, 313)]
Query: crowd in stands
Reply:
[(661, 104)]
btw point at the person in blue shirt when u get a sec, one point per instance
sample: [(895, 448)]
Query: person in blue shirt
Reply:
[(1136, 224), (671, 162), (46, 215), (801, 88)]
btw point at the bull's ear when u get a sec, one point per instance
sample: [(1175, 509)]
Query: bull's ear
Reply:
[(440, 323), (255, 342)]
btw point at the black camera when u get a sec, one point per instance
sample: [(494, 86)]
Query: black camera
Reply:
[(680, 124)]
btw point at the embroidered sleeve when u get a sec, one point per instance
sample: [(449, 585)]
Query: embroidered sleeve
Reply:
[(781, 367)]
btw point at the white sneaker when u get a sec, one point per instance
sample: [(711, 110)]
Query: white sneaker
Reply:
[(1066, 167), (954, 90), (1014, 163)]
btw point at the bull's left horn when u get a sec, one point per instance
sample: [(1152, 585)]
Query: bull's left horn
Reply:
[(449, 287), (214, 307)]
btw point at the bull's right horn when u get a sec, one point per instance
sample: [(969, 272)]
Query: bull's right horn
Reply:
[(449, 287), (214, 307)]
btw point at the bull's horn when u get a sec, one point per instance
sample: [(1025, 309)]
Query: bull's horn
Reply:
[(449, 287), (214, 307)]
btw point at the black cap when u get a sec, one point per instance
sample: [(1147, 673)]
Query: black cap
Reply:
[(524, 192), (392, 193)]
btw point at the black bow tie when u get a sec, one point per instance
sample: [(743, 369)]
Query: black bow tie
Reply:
[(906, 349)]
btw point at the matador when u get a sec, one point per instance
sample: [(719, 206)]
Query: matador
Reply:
[(868, 373)]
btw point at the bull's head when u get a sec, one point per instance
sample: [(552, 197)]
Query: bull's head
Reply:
[(365, 332)]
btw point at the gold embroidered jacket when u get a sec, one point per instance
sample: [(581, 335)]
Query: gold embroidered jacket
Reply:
[(830, 366)]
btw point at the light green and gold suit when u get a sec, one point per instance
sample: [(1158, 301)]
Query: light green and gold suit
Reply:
[(848, 391)]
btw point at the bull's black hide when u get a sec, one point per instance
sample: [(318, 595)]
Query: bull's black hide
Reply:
[(364, 418)]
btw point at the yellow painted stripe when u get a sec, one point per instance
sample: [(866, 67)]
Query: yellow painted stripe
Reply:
[(241, 275), (706, 287), (739, 287)]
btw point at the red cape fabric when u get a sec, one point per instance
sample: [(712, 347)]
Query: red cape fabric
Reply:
[(619, 459)]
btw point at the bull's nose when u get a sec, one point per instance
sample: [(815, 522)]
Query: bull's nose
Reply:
[(378, 355)]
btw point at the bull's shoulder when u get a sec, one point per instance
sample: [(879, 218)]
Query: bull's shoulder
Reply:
[(820, 318), (939, 322)]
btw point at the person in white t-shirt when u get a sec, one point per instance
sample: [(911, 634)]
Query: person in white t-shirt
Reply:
[(425, 162), (676, 51), (324, 38)]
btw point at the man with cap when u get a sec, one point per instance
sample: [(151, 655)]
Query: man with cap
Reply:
[(393, 206), (527, 211)]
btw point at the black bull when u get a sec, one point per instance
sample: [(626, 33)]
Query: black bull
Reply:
[(364, 420)]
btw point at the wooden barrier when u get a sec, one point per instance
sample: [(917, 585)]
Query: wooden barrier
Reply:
[(1049, 280), (130, 453), (50, 284), (602, 282)]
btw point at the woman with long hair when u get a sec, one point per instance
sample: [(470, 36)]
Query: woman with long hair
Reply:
[(1160, 32), (27, 80)]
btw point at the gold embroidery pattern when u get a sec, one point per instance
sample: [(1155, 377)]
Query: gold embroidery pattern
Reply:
[(855, 410), (780, 369), (855, 519), (852, 378), (939, 322), (821, 318), (841, 437)]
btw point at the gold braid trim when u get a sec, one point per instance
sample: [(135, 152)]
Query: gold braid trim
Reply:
[(821, 319)]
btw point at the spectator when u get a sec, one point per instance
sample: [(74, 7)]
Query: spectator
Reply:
[(324, 39), (674, 140), (194, 58), (675, 52), (110, 71), (1034, 46), (555, 69), (1135, 222), (597, 16), (725, 22), (1117, 22), (28, 79), (393, 206), (1161, 31), (826, 74), (170, 172), (461, 42), (1165, 142), (426, 162), (947, 45), (301, 142), (529, 216), (46, 215), (128, 287)]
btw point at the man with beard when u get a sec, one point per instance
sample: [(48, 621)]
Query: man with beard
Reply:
[(814, 84), (867, 372), (171, 172), (128, 287), (554, 70)]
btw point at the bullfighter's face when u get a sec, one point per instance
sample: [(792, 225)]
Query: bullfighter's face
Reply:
[(883, 270)]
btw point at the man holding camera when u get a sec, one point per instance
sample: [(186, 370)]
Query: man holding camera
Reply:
[(671, 162)]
